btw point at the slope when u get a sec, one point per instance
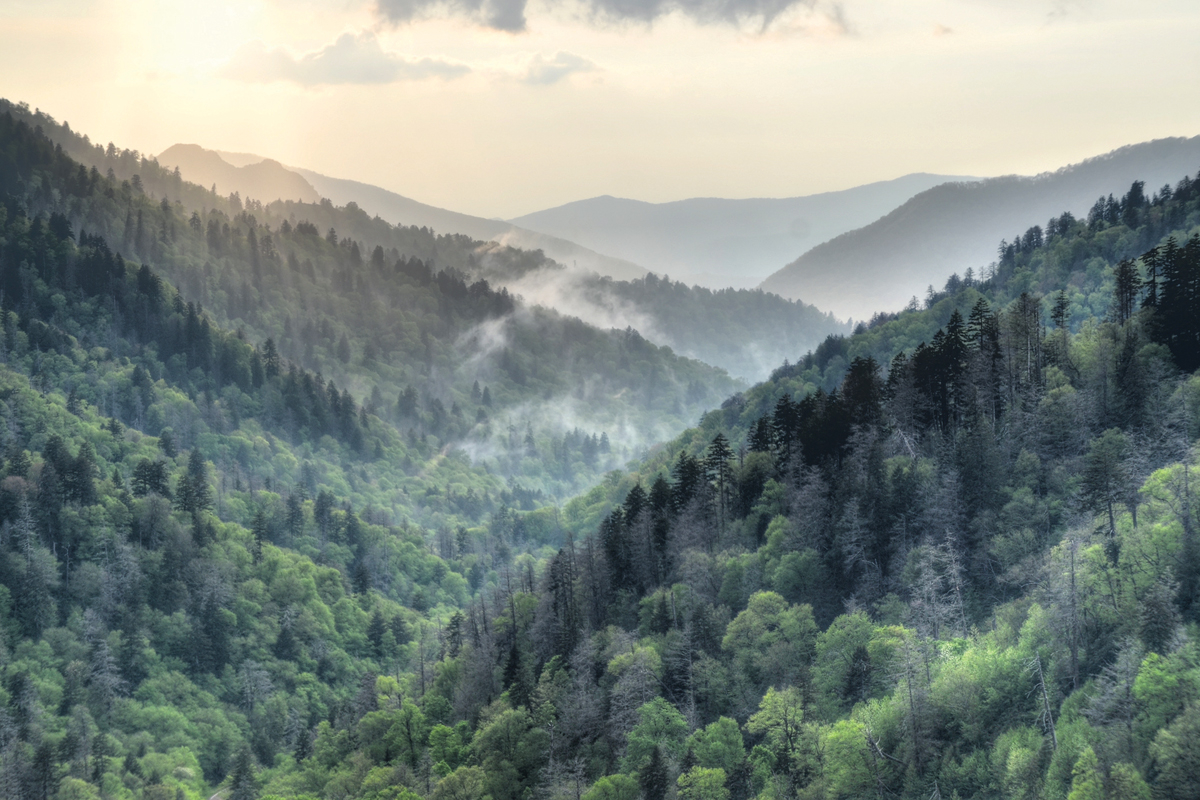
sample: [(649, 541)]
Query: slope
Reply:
[(717, 242), (745, 333), (975, 578), (955, 226), (388, 314)]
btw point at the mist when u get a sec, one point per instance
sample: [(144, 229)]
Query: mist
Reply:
[(748, 333)]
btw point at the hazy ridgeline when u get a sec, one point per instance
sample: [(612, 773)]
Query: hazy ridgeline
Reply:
[(952, 228), (951, 553)]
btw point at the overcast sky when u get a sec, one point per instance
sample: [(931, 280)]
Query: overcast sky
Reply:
[(502, 107)]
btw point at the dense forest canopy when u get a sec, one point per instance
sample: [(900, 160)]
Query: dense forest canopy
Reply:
[(393, 315), (950, 554)]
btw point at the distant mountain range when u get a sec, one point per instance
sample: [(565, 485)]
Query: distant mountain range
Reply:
[(263, 179), (956, 226), (865, 249), (747, 333), (717, 242)]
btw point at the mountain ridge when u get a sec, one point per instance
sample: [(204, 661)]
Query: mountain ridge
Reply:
[(719, 242), (401, 210), (265, 180), (952, 227)]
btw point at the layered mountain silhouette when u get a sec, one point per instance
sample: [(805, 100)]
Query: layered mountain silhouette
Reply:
[(955, 226), (263, 179), (717, 242)]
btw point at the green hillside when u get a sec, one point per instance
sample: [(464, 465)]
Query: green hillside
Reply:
[(951, 554), (392, 315)]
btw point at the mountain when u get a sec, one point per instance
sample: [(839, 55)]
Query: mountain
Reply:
[(716, 242), (265, 180), (955, 227), (952, 554), (401, 210), (746, 333), (390, 314)]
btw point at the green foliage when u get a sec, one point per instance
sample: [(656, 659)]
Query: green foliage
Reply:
[(971, 571), (614, 787), (718, 745), (700, 783), (660, 727)]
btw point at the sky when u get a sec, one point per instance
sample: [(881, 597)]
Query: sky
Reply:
[(503, 107)]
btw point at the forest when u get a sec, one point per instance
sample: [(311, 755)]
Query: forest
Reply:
[(745, 332), (394, 316), (951, 553)]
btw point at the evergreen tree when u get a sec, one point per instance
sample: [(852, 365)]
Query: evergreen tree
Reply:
[(242, 782), (192, 493), (654, 778)]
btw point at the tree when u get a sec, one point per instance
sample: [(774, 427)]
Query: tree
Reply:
[(1127, 286), (1105, 479), (270, 359), (614, 787), (718, 745), (719, 473), (465, 783), (1177, 323), (193, 494), (150, 477), (1176, 757), (512, 751), (700, 783), (653, 777), (779, 721), (660, 726), (242, 783), (1087, 782), (771, 642), (1126, 783)]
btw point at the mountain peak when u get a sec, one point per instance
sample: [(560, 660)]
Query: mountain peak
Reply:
[(267, 180)]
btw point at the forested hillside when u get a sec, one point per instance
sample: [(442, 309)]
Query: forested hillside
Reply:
[(951, 554), (392, 315), (238, 171), (747, 332)]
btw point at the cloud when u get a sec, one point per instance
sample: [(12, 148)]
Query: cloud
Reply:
[(509, 15), (353, 58), (544, 71), (502, 15)]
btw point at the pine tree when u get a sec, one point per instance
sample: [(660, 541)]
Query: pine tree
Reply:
[(1127, 285), (653, 778), (193, 494), (242, 783)]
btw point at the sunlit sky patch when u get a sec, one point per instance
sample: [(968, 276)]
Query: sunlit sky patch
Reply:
[(501, 107)]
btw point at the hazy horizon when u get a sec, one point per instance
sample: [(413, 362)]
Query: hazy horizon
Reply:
[(512, 108)]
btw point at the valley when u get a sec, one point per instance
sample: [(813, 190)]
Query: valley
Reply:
[(303, 501)]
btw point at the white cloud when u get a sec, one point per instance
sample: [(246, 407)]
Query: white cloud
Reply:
[(352, 59), (543, 71)]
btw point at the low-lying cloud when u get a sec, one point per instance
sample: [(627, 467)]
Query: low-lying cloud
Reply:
[(352, 59), (509, 15)]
